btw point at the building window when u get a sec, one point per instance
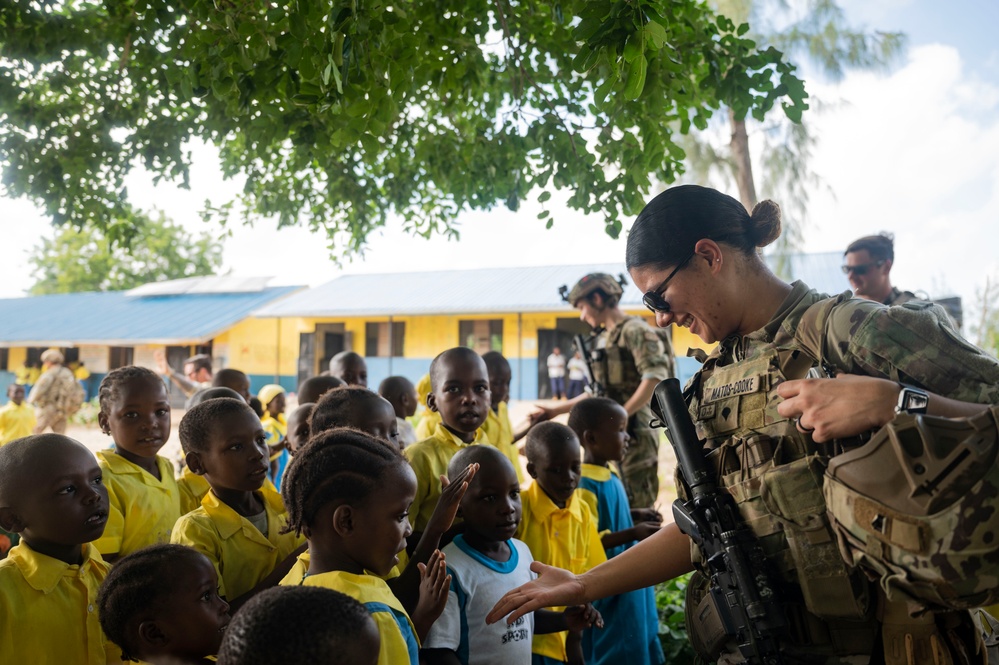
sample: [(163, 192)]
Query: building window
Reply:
[(382, 340), (4, 359), (119, 356), (481, 335)]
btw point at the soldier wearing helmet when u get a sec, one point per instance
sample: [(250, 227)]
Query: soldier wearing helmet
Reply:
[(629, 357)]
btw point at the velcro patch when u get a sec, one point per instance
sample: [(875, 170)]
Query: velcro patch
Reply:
[(744, 386)]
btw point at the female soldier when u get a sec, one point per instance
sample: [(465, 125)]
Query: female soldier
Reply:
[(694, 251)]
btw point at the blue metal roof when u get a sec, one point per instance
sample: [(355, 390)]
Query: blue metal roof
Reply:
[(117, 319), (492, 290)]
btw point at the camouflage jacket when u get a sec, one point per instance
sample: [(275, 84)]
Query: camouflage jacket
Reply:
[(57, 390), (627, 354)]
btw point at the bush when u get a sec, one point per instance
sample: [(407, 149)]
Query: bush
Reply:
[(87, 415), (672, 627)]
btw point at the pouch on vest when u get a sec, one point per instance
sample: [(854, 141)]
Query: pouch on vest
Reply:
[(918, 508)]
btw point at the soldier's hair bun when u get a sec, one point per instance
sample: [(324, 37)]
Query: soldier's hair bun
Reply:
[(764, 223)]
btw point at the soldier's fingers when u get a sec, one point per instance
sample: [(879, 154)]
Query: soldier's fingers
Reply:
[(789, 389)]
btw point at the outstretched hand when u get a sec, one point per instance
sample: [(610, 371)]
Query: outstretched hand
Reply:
[(434, 585), (838, 408), (541, 415), (553, 587), (447, 505)]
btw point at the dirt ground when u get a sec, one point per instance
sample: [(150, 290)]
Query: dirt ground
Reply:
[(93, 438)]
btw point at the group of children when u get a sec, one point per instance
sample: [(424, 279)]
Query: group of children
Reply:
[(367, 549)]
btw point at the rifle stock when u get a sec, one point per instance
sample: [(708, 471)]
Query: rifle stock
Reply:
[(743, 602), (596, 389)]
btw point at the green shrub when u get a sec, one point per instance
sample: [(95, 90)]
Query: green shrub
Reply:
[(672, 628), (87, 415)]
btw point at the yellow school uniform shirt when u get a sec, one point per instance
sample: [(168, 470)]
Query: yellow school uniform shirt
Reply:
[(142, 509), (562, 537), (300, 569), (400, 644), (193, 489), (429, 459), (16, 420), (48, 610), (427, 424), (241, 554), (499, 431)]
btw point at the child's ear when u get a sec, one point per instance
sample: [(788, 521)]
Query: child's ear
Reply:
[(102, 421), (193, 460), (531, 470), (587, 439), (343, 520), (432, 402), (150, 634), (11, 521)]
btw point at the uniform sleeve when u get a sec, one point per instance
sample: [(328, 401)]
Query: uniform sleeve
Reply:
[(446, 631), (590, 501), (594, 547), (912, 344), (191, 532), (646, 347)]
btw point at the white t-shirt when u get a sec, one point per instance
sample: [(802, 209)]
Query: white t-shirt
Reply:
[(577, 369), (477, 583), (556, 366), (407, 434)]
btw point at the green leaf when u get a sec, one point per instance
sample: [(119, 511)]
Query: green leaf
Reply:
[(635, 82), (544, 196)]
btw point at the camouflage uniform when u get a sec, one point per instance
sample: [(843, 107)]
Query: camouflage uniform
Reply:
[(57, 396), (775, 472), (897, 297), (622, 358)]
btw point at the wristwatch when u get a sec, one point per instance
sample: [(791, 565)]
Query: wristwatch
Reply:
[(912, 400)]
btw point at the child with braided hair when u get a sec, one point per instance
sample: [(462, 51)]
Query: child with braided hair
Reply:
[(349, 493), (161, 605)]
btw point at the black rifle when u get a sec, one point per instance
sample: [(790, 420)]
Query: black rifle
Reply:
[(596, 389), (742, 594)]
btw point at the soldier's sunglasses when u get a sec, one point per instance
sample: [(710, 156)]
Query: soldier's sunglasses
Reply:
[(654, 300), (862, 268)]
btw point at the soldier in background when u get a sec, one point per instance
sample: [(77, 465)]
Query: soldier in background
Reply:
[(867, 264), (629, 358)]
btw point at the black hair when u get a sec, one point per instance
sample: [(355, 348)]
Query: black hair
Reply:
[(229, 378), (346, 357), (134, 588), (669, 227), (495, 360), (484, 455), (200, 361), (315, 387), (197, 425), (296, 624), (213, 393), (339, 464), (394, 387), (13, 387), (256, 406), (458, 352), (881, 247), (20, 454), (112, 383), (589, 413), (336, 408), (544, 436)]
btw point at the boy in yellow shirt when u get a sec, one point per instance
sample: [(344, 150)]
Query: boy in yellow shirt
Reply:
[(460, 394), (240, 523), (558, 527), (17, 419), (52, 495), (498, 428)]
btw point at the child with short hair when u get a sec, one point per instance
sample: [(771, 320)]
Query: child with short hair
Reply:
[(498, 428), (557, 526), (144, 495), (273, 400), (401, 394), (485, 561), (460, 394), (349, 367), (161, 606), (299, 429), (193, 487), (233, 379), (350, 493), (301, 624), (17, 418), (240, 523), (315, 387), (52, 495), (632, 620), (355, 407)]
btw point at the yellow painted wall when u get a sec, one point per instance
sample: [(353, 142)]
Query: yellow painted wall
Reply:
[(261, 346), (16, 356)]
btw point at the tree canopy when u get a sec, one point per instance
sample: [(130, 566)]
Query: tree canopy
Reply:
[(341, 113), (85, 260)]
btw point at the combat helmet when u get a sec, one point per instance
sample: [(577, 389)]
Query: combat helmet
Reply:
[(590, 283), (917, 507)]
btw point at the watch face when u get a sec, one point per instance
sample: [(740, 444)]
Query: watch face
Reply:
[(912, 400)]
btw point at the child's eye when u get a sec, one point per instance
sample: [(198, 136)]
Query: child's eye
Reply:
[(162, 412), (514, 494), (98, 481), (403, 516), (489, 498), (236, 446), (67, 489)]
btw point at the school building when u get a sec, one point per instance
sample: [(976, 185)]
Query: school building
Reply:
[(117, 328), (399, 322)]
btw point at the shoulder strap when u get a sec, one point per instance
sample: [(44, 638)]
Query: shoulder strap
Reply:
[(806, 335)]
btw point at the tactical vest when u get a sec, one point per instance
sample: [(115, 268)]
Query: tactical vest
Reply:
[(614, 365)]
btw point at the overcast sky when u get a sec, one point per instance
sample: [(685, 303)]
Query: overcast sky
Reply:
[(914, 152)]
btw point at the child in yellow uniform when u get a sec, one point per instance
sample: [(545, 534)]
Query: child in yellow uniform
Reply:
[(240, 523), (401, 394), (161, 605), (17, 418), (301, 624), (144, 496), (273, 401), (350, 494), (460, 394), (52, 495), (428, 420), (557, 526), (498, 428), (299, 428)]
